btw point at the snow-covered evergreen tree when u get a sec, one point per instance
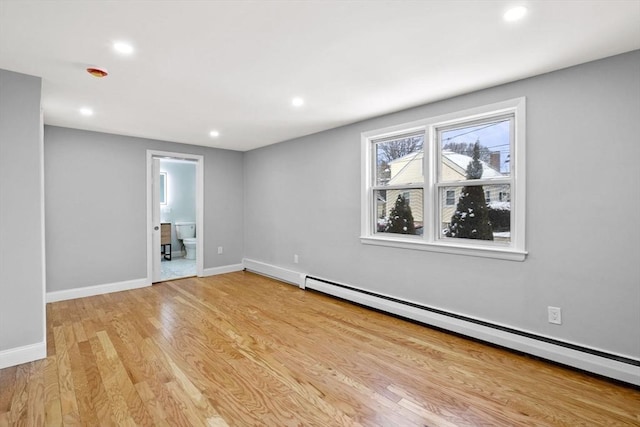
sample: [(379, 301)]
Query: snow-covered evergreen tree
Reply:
[(471, 218), (401, 218)]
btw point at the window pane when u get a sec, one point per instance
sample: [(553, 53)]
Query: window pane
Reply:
[(457, 146), (471, 216), (450, 198), (399, 161), (399, 211)]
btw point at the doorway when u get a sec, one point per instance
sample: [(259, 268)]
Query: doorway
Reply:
[(175, 183)]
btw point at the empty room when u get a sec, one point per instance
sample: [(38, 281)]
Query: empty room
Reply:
[(320, 213)]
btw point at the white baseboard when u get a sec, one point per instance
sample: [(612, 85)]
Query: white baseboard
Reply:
[(222, 270), (24, 354), (290, 276), (89, 291), (538, 347)]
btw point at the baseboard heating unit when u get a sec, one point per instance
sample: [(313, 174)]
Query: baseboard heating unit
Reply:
[(610, 365)]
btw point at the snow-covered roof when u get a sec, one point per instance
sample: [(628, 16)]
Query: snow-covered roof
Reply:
[(410, 156), (457, 161), (462, 161)]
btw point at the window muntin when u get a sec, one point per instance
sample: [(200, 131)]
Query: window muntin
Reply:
[(500, 132)]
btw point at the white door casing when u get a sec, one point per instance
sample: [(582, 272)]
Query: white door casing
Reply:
[(155, 215), (153, 211)]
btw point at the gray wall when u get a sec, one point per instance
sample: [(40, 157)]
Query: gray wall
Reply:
[(303, 197), (95, 190), (181, 196), (21, 234)]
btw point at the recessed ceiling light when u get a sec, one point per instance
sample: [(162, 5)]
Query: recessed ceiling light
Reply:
[(214, 134), (123, 48), (86, 111), (515, 13), (297, 102)]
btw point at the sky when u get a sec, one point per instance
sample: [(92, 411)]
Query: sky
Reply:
[(493, 135)]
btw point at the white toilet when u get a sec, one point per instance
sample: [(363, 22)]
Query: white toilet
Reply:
[(186, 231)]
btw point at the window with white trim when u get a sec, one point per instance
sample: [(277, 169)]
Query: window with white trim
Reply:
[(453, 183), (450, 198)]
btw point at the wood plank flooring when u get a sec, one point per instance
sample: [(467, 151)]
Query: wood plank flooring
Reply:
[(244, 350)]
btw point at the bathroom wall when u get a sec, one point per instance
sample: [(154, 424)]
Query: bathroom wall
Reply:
[(181, 196), (22, 308), (96, 212)]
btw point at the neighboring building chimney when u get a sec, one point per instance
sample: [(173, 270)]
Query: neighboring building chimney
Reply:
[(494, 160)]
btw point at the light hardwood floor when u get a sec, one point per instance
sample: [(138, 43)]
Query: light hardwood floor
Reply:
[(243, 350)]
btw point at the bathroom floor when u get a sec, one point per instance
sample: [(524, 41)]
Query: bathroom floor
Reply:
[(177, 268)]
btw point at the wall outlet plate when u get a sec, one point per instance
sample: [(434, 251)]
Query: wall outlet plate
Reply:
[(555, 315)]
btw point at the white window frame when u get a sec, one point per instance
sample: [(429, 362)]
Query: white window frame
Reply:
[(431, 239)]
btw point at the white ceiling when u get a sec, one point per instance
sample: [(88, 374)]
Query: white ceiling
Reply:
[(234, 66)]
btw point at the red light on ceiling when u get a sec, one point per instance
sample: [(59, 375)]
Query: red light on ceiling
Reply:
[(97, 72)]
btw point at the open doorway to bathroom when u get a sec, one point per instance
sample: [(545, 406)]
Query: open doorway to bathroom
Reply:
[(177, 218), (174, 215)]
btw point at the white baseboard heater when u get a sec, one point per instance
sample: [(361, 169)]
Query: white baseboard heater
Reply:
[(610, 365)]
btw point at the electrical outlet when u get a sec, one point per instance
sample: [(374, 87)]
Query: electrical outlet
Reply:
[(296, 259), (220, 250), (555, 315)]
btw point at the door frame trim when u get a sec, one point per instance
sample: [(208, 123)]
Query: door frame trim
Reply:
[(199, 162)]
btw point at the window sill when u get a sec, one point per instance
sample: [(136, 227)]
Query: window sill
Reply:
[(509, 254)]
